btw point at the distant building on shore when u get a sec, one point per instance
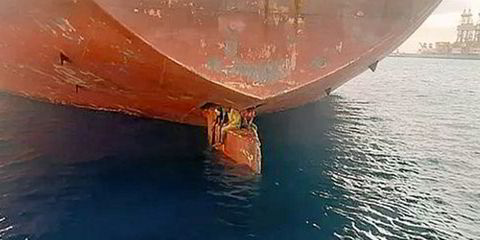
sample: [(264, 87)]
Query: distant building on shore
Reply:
[(467, 43)]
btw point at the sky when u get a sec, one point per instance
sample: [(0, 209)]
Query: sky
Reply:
[(442, 24)]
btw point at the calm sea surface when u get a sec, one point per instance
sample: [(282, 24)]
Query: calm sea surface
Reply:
[(391, 155)]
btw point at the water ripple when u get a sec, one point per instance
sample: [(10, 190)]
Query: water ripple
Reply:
[(391, 155)]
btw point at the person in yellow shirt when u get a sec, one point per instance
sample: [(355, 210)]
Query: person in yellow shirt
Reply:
[(234, 122)]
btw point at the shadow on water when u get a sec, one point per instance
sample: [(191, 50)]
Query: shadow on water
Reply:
[(297, 159), (68, 173), (76, 174)]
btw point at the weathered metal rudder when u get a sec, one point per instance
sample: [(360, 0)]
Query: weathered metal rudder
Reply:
[(241, 145)]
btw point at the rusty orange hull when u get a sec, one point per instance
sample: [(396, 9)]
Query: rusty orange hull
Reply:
[(167, 58)]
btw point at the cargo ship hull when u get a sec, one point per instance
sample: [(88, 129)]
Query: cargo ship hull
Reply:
[(166, 59)]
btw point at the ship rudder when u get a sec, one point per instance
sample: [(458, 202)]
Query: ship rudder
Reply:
[(239, 143)]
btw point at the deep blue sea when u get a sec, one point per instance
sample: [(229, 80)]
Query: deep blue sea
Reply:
[(391, 155)]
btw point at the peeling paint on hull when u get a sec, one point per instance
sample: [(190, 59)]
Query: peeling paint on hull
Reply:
[(166, 59)]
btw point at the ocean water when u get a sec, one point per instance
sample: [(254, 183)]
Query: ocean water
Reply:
[(391, 155)]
